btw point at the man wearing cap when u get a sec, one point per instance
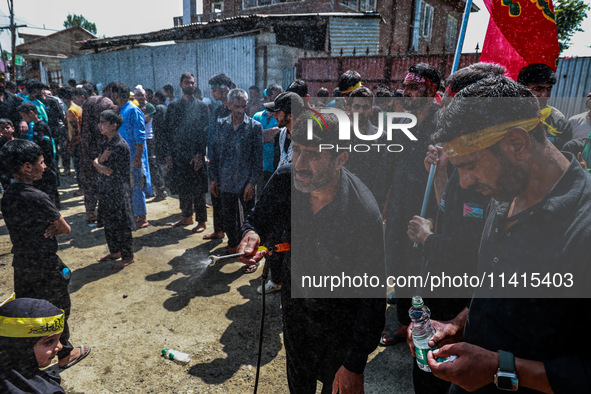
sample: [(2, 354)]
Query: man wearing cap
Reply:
[(325, 339), (284, 109), (404, 184), (185, 140), (236, 162), (540, 198), (8, 104)]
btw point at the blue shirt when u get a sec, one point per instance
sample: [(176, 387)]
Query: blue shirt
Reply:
[(236, 157), (267, 121), (133, 131)]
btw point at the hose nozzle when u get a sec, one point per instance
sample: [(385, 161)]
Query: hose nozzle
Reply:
[(284, 247)]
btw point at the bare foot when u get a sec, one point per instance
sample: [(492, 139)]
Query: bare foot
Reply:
[(199, 228), (122, 264), (110, 256), (214, 235), (141, 224), (183, 222)]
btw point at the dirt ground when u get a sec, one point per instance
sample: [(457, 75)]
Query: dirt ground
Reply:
[(169, 298)]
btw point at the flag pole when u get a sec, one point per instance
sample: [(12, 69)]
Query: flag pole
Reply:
[(454, 68)]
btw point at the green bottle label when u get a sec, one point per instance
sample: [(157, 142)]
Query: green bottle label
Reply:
[(422, 354)]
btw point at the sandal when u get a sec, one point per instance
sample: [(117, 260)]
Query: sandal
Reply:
[(390, 338), (79, 358), (249, 269), (199, 228)]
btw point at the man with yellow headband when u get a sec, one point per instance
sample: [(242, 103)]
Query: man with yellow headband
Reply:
[(29, 339), (537, 223)]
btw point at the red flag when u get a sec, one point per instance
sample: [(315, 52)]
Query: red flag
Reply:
[(520, 32)]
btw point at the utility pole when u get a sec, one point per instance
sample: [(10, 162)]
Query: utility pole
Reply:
[(12, 28)]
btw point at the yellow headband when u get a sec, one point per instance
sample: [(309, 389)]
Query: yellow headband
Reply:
[(352, 88), (481, 139), (30, 327)]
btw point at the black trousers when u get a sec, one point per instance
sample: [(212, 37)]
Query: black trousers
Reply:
[(119, 239), (231, 215), (155, 168), (216, 204), (275, 262), (42, 278), (193, 203)]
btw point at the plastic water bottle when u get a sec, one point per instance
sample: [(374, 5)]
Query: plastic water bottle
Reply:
[(422, 331), (177, 356)]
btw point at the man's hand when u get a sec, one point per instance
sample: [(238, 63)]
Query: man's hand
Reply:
[(450, 331), (50, 231), (250, 245), (215, 189), (419, 229), (104, 156), (269, 134), (197, 162), (473, 368), (136, 162), (436, 156), (346, 382), (168, 166), (249, 192)]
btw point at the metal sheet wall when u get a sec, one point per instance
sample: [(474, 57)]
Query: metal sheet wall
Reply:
[(154, 67), (572, 86), (359, 34)]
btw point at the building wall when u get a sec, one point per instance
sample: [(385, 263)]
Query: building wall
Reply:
[(397, 13), (241, 58)]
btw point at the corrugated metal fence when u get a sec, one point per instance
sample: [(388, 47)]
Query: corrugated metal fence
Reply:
[(325, 71), (572, 86), (154, 67), (350, 36)]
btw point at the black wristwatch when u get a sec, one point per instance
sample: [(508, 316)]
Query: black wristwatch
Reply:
[(506, 378)]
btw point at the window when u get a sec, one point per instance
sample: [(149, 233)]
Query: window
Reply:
[(427, 22), (217, 7), (260, 3), (451, 32), (361, 5)]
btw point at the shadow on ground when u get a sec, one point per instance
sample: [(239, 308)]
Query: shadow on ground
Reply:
[(245, 326)]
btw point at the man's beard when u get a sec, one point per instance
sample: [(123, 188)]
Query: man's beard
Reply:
[(512, 181), (189, 91)]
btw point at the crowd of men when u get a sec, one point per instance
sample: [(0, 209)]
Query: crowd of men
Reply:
[(506, 177)]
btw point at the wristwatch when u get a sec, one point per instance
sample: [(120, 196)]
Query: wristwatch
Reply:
[(506, 378)]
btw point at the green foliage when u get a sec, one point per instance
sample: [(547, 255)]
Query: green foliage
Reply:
[(569, 16), (78, 20)]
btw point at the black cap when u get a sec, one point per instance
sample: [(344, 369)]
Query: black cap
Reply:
[(283, 102)]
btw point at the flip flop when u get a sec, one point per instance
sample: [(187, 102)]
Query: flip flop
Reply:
[(79, 358), (249, 269), (390, 338)]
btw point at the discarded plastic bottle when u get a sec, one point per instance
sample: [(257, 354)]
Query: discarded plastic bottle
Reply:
[(66, 273), (177, 356), (422, 331)]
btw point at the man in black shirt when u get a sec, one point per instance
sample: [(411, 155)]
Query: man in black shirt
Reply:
[(326, 339), (538, 222), (8, 104), (185, 139), (220, 86), (33, 221), (42, 136)]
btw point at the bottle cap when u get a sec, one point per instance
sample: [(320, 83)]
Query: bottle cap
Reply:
[(417, 301), (163, 351)]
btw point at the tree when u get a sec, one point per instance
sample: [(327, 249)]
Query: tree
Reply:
[(569, 16), (78, 20)]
